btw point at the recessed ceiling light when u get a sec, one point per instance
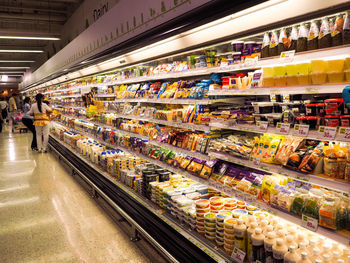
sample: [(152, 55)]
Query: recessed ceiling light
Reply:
[(20, 51), (29, 38), (16, 61), (4, 78)]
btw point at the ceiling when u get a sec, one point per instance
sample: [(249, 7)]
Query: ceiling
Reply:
[(30, 18)]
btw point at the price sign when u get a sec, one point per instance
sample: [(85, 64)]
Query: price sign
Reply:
[(287, 56), (262, 125), (283, 127), (344, 134), (301, 130), (238, 255), (328, 132), (255, 161), (309, 223)]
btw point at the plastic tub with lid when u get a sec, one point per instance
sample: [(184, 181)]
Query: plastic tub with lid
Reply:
[(315, 109), (216, 200), (313, 121), (345, 120), (332, 121), (334, 106)]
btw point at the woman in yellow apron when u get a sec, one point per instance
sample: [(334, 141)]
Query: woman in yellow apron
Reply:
[(41, 112)]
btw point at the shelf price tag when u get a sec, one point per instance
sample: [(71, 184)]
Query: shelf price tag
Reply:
[(238, 255), (309, 223), (301, 130), (328, 132), (283, 127), (262, 125), (344, 134), (287, 56)]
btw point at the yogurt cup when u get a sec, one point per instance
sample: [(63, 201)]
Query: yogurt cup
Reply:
[(216, 208), (239, 212), (212, 234), (208, 224), (220, 218), (200, 224), (229, 242), (201, 232), (202, 204), (229, 236), (241, 205), (237, 45), (229, 223), (216, 201), (211, 238), (210, 217), (229, 231), (200, 228), (228, 246)]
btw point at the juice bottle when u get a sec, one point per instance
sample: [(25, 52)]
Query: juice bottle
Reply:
[(269, 241), (251, 219), (290, 241), (301, 239), (279, 250), (267, 230), (281, 234), (304, 258), (293, 231), (326, 258), (279, 226), (250, 231), (258, 245), (292, 256), (312, 246), (302, 248), (316, 254), (240, 233), (263, 224)]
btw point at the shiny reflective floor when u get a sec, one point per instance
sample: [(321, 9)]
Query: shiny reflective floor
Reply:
[(46, 216)]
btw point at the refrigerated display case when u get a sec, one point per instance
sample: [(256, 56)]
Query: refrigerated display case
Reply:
[(257, 119)]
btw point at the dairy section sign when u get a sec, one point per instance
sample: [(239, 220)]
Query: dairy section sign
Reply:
[(119, 24)]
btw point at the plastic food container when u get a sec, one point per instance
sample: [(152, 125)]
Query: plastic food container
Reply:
[(303, 79), (334, 106), (268, 81), (262, 107), (210, 218), (280, 81), (216, 208), (237, 46), (200, 220), (347, 75), (239, 212), (251, 208), (200, 228), (345, 120), (315, 109), (313, 121), (216, 200), (332, 121), (220, 231), (261, 215), (318, 78), (218, 224), (228, 251), (228, 246), (241, 205), (318, 66), (209, 225), (220, 218), (229, 231), (211, 238), (336, 65), (236, 57), (229, 241), (210, 233), (229, 223), (335, 77), (229, 236), (292, 80), (226, 212), (201, 232), (202, 204)]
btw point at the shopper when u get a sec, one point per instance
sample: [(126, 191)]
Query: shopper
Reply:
[(3, 109), (41, 112), (28, 121), (12, 110)]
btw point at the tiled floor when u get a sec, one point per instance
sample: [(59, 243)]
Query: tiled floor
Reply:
[(45, 216)]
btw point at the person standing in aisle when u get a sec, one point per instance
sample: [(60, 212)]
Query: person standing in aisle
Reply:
[(3, 109), (12, 109), (28, 121), (41, 112)]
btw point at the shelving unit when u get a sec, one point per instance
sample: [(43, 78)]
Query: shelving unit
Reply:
[(336, 236)]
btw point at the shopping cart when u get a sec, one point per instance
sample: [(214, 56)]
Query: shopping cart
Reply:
[(17, 125)]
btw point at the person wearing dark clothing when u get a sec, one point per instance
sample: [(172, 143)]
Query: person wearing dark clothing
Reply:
[(28, 121)]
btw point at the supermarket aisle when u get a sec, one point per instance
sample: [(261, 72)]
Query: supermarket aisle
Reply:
[(45, 216)]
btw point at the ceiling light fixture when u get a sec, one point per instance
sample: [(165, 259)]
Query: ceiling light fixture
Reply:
[(4, 78), (9, 72), (29, 38), (17, 61), (20, 51), (14, 67)]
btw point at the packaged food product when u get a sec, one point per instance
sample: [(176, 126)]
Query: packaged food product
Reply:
[(240, 232), (298, 201), (346, 29), (202, 203), (283, 41), (265, 46), (309, 162), (292, 256), (318, 78), (302, 38), (273, 47), (312, 37), (289, 145), (312, 203), (324, 37), (293, 38), (337, 31)]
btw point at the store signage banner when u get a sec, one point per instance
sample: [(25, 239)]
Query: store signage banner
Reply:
[(125, 20)]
